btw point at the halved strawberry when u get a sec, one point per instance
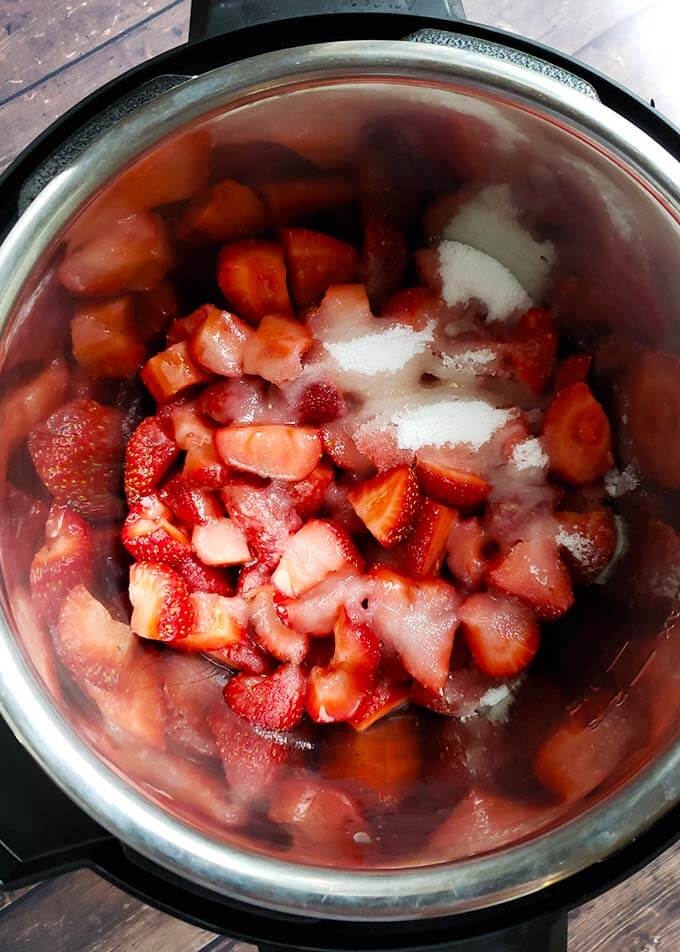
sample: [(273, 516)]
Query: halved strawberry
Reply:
[(502, 634), (183, 327), (577, 436), (243, 655), (217, 622), (318, 550), (274, 701), (387, 504), (154, 311), (465, 557), (270, 631), (274, 352), (448, 484), (383, 259), (273, 451), (204, 468), (220, 541), (314, 262), (149, 453), (149, 534), (309, 494), (531, 347), (64, 561), (267, 516), (250, 761), (412, 306), (228, 210), (343, 451), (427, 545), (388, 695), (587, 542), (191, 505), (78, 453), (131, 255), (252, 277), (219, 342), (104, 341), (203, 578), (293, 200), (161, 609), (171, 371), (320, 403), (235, 401), (650, 386), (534, 572), (573, 369)]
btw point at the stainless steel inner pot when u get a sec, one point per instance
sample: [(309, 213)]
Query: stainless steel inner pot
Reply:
[(609, 197)]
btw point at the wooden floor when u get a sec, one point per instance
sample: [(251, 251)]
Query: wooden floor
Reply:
[(54, 52)]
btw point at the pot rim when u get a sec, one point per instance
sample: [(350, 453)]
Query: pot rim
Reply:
[(390, 894)]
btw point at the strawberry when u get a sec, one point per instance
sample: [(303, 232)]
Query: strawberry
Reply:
[(650, 387), (316, 612), (412, 306), (534, 572), (309, 494), (271, 633), (188, 425), (203, 468), (428, 268), (318, 550), (220, 541), (426, 547), (161, 609), (577, 436), (447, 484), (191, 505), (149, 534), (235, 401), (23, 527), (148, 455), (343, 313), (228, 210), (320, 403), (501, 633), (104, 341), (217, 622), (252, 578), (293, 200), (383, 260), (274, 352), (78, 453), (531, 347), (387, 504), (462, 695), (219, 342), (465, 555), (314, 262), (243, 655), (182, 328), (131, 255), (250, 761), (252, 277), (64, 561), (273, 701), (338, 507), (273, 451), (266, 515), (154, 311), (343, 451), (203, 578), (587, 542), (171, 371), (573, 369), (387, 696), (192, 687)]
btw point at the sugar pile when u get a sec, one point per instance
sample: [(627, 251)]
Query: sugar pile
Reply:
[(578, 545), (530, 455), (454, 422), (618, 483), (469, 361), (468, 273), (385, 351)]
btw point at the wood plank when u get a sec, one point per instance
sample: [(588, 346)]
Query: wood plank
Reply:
[(7, 898)]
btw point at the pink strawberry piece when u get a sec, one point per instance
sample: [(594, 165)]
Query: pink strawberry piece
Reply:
[(243, 655), (426, 547), (235, 401), (220, 342), (218, 622), (220, 541), (252, 578), (383, 259), (388, 695), (150, 535), (182, 328), (275, 701), (387, 504), (343, 451), (450, 485), (192, 687), (315, 262), (501, 633), (320, 403), (534, 572), (161, 609), (252, 277), (309, 494), (465, 555), (250, 761), (64, 561), (172, 371), (318, 550), (271, 450), (203, 578), (203, 468), (270, 631), (191, 505), (105, 341), (275, 351), (148, 455), (267, 516), (78, 453), (189, 426), (316, 612)]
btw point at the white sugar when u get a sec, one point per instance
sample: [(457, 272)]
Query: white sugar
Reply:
[(386, 351), (469, 360), (617, 483), (467, 273), (530, 455), (578, 545), (472, 422)]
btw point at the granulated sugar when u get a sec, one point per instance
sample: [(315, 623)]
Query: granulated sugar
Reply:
[(578, 545), (530, 455), (386, 351), (472, 422), (469, 361), (617, 483), (468, 273)]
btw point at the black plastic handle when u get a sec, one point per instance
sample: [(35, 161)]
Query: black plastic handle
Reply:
[(218, 17)]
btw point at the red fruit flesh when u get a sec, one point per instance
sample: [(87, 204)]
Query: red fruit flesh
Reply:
[(235, 401), (161, 609), (315, 262), (252, 278), (293, 200), (191, 505), (387, 504), (149, 453), (251, 762), (271, 633), (449, 485), (309, 494), (577, 436), (150, 535), (228, 210), (650, 387), (217, 622), (155, 311), (501, 633), (219, 342), (172, 371), (318, 550), (587, 542), (573, 369), (343, 451), (465, 556), (273, 451), (534, 572), (274, 352), (531, 347), (64, 561), (385, 698), (267, 516), (104, 340), (426, 547), (274, 701)]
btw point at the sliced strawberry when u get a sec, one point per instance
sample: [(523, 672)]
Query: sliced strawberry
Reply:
[(188, 424), (316, 612), (465, 556), (149, 453), (228, 210), (250, 761), (243, 655), (235, 401), (293, 200), (252, 578), (356, 648), (343, 451), (462, 696), (270, 631), (573, 369), (318, 550), (338, 507), (104, 340), (320, 403), (171, 371), (252, 277), (387, 504), (383, 260), (204, 468), (314, 262), (534, 572), (309, 494), (386, 697), (531, 348), (577, 436), (273, 451), (203, 578), (412, 306), (275, 701), (154, 311), (447, 484), (220, 541), (192, 687), (343, 313), (191, 505), (650, 386), (149, 534), (587, 542), (426, 548), (78, 453), (64, 561), (274, 352), (501, 633), (131, 255), (218, 622), (161, 609), (267, 516), (219, 342), (182, 328)]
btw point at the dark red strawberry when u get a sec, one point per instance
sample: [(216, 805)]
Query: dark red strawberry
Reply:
[(161, 609), (427, 545), (316, 261), (252, 277), (531, 348), (320, 403), (191, 505), (387, 504), (387, 696), (155, 311), (534, 572), (275, 701), (573, 369), (465, 556), (577, 436), (383, 260), (650, 388), (226, 211), (251, 762), (298, 200), (64, 561), (587, 542), (148, 455), (203, 578), (502, 634), (309, 494), (149, 533)]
